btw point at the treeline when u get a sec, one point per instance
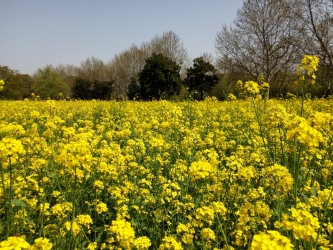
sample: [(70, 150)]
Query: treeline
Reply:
[(267, 40)]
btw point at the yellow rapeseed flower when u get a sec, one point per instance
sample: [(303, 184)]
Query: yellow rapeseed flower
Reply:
[(171, 243), (204, 214), (200, 170), (308, 65), (142, 243), (76, 227), (98, 184), (208, 234), (231, 97), (251, 87), (12, 148), (303, 224), (278, 176), (101, 207), (123, 232), (270, 240), (92, 246), (41, 244), (1, 84), (14, 242), (84, 219)]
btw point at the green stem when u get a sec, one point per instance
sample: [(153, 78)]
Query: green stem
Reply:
[(42, 215), (72, 239), (222, 231), (322, 219), (302, 108), (281, 145), (296, 172), (258, 121), (260, 128), (6, 202), (10, 196)]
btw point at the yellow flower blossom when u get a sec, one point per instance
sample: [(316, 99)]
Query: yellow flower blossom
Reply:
[(11, 148), (1, 84), (14, 242), (92, 246), (142, 243), (200, 170), (251, 87), (308, 65), (101, 207), (270, 240), (41, 244), (170, 243), (302, 223), (123, 232), (208, 234), (84, 219)]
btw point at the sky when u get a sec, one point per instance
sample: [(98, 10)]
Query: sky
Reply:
[(35, 33)]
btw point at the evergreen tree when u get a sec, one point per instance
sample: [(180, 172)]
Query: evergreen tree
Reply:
[(81, 89), (134, 90), (85, 90), (160, 78), (201, 77), (102, 90)]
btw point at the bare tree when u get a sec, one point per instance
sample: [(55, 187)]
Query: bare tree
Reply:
[(315, 32), (67, 72), (169, 45), (208, 57), (261, 42), (93, 69), (127, 65)]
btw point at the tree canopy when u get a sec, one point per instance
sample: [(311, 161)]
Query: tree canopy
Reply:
[(85, 89), (50, 85), (81, 89), (201, 77), (17, 86), (160, 78)]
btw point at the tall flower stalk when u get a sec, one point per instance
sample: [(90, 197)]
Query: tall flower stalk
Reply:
[(1, 86), (306, 69)]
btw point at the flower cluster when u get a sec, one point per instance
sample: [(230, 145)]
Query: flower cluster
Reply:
[(200, 170), (10, 150), (303, 224), (308, 65), (14, 242), (170, 243), (1, 84), (252, 88), (167, 175), (271, 240), (122, 232), (19, 243)]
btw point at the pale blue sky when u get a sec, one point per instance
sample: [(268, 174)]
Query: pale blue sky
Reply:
[(34, 33)]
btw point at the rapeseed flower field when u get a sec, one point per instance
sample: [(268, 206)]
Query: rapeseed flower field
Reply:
[(240, 174)]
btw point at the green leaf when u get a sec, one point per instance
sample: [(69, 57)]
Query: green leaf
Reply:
[(19, 203), (314, 191)]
